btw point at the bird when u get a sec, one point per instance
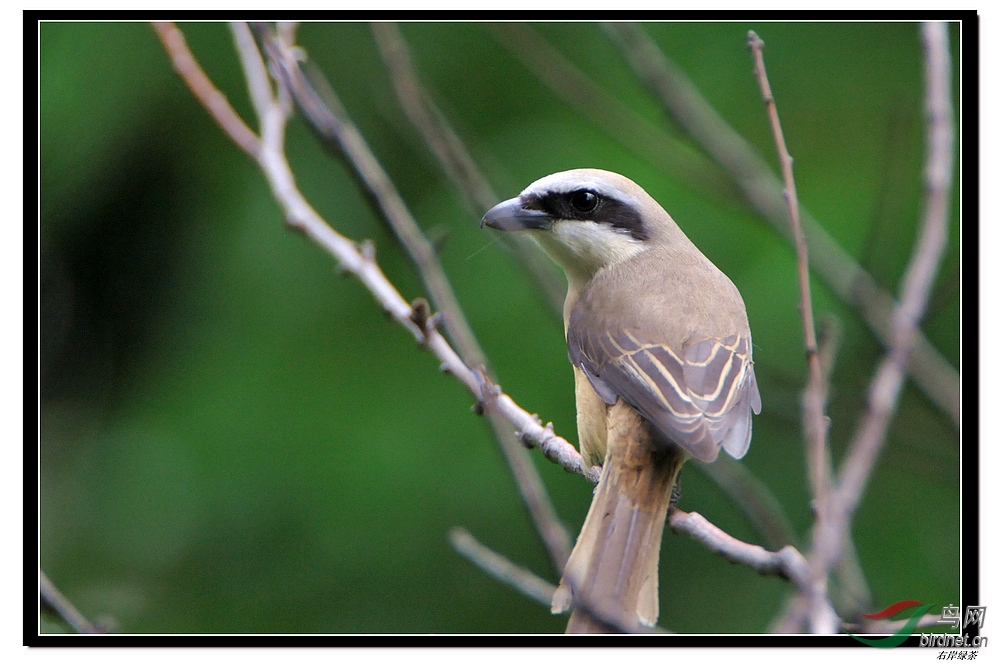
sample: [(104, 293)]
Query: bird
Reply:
[(660, 345)]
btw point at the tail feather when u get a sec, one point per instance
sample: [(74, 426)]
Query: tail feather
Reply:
[(613, 568)]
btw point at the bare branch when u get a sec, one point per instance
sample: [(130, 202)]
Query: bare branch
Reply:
[(830, 537), (814, 587), (254, 69), (752, 497), (849, 593), (206, 92), (456, 161), (426, 117), (917, 283), (52, 598), (841, 272), (533, 435), (498, 566), (359, 262), (787, 562), (852, 595), (630, 129), (330, 120), (561, 453), (815, 395)]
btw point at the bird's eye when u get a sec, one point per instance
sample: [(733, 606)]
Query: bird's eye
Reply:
[(584, 201)]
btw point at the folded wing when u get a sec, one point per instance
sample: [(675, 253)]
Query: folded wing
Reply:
[(700, 396)]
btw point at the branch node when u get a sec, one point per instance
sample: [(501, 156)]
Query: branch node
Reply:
[(539, 441), (367, 250), (435, 321), (488, 392), (420, 314)]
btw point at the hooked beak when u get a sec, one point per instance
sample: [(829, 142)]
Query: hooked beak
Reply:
[(510, 215)]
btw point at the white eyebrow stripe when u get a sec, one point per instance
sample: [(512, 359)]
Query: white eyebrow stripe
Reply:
[(564, 183)]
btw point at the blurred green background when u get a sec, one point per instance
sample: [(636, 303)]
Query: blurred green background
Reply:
[(236, 439)]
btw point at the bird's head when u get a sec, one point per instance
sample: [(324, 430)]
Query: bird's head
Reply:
[(586, 220)]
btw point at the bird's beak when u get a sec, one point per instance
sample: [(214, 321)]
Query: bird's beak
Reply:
[(510, 215)]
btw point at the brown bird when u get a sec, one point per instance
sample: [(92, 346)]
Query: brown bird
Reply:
[(660, 345)]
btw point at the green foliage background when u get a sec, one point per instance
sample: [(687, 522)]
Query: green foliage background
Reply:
[(236, 439)]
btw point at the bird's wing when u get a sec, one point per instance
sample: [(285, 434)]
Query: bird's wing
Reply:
[(699, 396)]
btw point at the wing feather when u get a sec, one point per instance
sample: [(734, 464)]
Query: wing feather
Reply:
[(700, 396)]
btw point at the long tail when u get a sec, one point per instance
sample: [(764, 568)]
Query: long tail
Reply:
[(613, 569)]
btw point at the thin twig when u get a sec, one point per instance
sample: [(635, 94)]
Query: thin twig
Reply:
[(254, 70), (753, 498), (544, 438), (841, 272), (819, 355), (853, 594), (792, 619), (917, 282), (427, 118), (850, 593), (330, 120), (328, 117), (204, 90), (631, 130), (788, 562), (498, 566), (814, 398), (815, 395), (55, 600), (922, 270), (456, 161)]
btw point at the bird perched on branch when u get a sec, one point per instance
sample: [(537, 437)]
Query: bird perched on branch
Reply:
[(660, 345)]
